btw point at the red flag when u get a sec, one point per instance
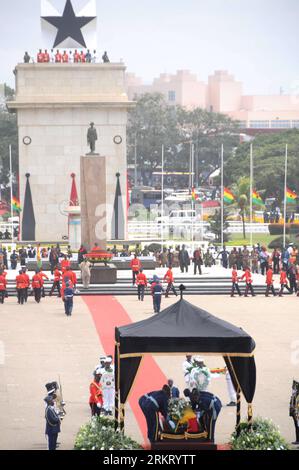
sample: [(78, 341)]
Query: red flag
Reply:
[(74, 200)]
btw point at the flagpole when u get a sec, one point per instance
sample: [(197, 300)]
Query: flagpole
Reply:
[(251, 192), (162, 201), (222, 196), (11, 193), (192, 201), (285, 196)]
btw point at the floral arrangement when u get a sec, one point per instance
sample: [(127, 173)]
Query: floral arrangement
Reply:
[(264, 435), (200, 378), (99, 256), (100, 434), (177, 408)]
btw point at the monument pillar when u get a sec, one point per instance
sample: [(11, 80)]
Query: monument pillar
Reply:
[(93, 201)]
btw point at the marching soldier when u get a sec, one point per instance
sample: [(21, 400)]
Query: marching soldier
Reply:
[(71, 275), (283, 281), (141, 282), (27, 280), (269, 281), (135, 265), (40, 56), (248, 280), (96, 395), (157, 291), (56, 283), (42, 277), (65, 263), (170, 280), (235, 280), (68, 298), (3, 284), (53, 422), (21, 286), (37, 286)]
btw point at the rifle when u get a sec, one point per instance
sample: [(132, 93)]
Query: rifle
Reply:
[(59, 400)]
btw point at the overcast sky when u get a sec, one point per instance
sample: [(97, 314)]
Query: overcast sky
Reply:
[(256, 40)]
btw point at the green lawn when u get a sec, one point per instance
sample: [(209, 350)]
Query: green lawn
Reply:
[(236, 239)]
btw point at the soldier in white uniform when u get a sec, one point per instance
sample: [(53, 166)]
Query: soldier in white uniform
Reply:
[(231, 390), (107, 382), (187, 365)]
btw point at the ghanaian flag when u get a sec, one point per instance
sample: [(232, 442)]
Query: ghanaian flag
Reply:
[(16, 204), (291, 196), (228, 196), (256, 199)]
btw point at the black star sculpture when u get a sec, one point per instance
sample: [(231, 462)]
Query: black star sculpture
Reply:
[(69, 25)]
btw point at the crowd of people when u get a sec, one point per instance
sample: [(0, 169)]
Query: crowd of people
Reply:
[(59, 56)]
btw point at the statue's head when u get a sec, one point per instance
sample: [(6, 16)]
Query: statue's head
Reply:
[(92, 124)]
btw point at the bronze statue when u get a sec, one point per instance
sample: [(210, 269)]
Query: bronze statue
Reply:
[(92, 137)]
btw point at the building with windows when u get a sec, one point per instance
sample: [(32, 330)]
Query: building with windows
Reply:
[(222, 94)]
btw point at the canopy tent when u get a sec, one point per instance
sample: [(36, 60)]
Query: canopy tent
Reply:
[(183, 329)]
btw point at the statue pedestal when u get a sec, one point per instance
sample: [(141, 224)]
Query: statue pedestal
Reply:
[(103, 274)]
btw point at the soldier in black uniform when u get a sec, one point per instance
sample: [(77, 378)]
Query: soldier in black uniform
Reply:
[(151, 405), (208, 407), (52, 422), (294, 409)]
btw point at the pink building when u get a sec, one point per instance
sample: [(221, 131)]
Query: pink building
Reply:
[(222, 94)]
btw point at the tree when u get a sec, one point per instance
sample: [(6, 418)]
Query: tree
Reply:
[(8, 136), (215, 225), (241, 192), (269, 160)]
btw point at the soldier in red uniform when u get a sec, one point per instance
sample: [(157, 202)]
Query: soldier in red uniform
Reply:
[(21, 286), (269, 281), (40, 56), (77, 57), (141, 282), (65, 57), (65, 263), (58, 57), (27, 279), (37, 286), (135, 265), (3, 284), (235, 280), (56, 283), (248, 280), (170, 280), (71, 276), (283, 281), (96, 394), (46, 56), (42, 277), (82, 57)]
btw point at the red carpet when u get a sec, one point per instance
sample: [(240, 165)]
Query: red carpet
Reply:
[(107, 314)]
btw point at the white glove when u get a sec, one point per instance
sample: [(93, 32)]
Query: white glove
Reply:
[(99, 405), (171, 424)]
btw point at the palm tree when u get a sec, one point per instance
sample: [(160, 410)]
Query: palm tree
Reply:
[(241, 192)]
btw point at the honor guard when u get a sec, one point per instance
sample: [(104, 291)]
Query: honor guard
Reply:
[(187, 366), (170, 280), (107, 382), (157, 291), (96, 394), (294, 409), (56, 282), (141, 282), (65, 57), (21, 286), (235, 280), (53, 422), (40, 56), (283, 281), (151, 405), (27, 280), (3, 284), (37, 286), (58, 57), (135, 266), (46, 56), (269, 282), (248, 280)]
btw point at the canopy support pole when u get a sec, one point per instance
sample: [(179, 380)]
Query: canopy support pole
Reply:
[(117, 387), (238, 422), (250, 416)]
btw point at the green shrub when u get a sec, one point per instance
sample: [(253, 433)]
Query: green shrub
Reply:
[(277, 229), (278, 243), (264, 435), (100, 434)]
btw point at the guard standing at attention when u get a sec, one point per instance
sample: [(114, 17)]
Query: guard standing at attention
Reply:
[(37, 286), (56, 283), (27, 280), (53, 422), (21, 286), (157, 291), (96, 394)]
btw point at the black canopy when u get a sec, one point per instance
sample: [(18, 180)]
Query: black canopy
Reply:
[(186, 329)]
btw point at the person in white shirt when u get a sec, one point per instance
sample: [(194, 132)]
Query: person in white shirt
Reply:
[(94, 57), (52, 56), (107, 382), (187, 365)]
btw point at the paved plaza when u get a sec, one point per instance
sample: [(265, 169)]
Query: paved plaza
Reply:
[(38, 344)]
